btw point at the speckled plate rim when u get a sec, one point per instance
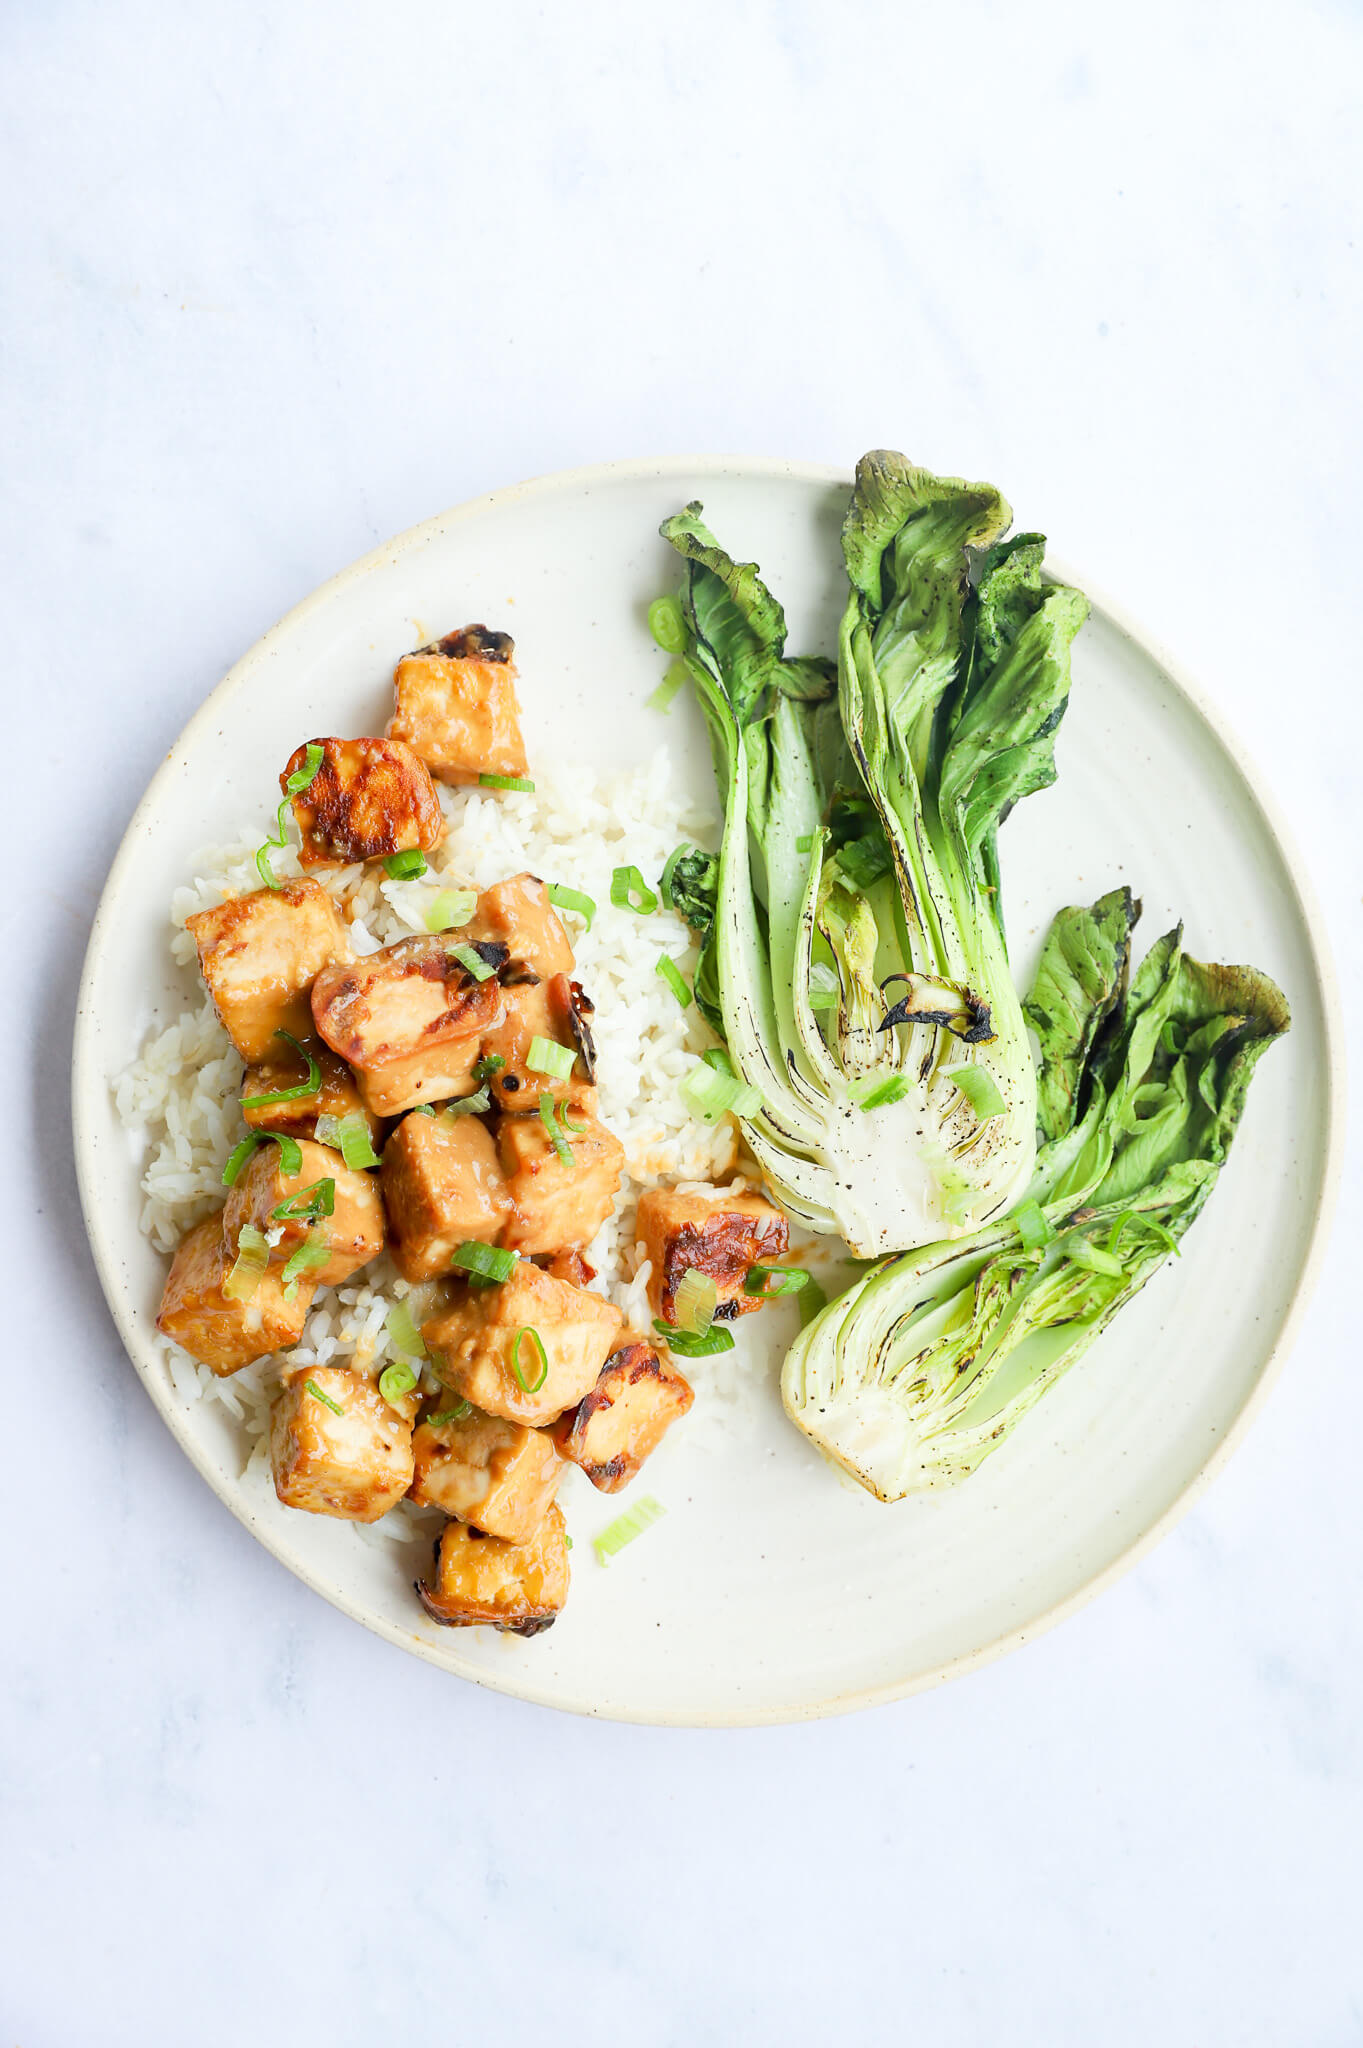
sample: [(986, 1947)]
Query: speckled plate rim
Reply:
[(88, 1084)]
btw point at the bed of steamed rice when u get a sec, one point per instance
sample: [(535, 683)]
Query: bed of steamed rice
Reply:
[(179, 1097)]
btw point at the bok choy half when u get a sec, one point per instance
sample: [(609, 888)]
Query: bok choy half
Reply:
[(926, 1364), (854, 958)]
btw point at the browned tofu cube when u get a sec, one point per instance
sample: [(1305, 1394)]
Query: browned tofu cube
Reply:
[(626, 1415), (259, 956), (517, 914), (369, 798), (221, 1333), (456, 706), (442, 1187), (355, 1463), (481, 1344), (338, 1094), (720, 1234), (532, 1010), (517, 1587), (499, 1475), (554, 1203), (353, 1232), (410, 1020)]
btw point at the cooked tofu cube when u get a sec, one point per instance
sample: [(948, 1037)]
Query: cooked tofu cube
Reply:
[(480, 1344), (531, 1010), (517, 1587), (553, 1203), (410, 1020), (353, 1232), (369, 798), (222, 1333), (442, 1187), (567, 1264), (721, 1234), (356, 1464), (496, 1474), (338, 1094), (626, 1415), (259, 956), (456, 706), (517, 914)]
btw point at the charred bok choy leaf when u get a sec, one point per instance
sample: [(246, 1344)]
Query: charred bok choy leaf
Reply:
[(922, 1369), (854, 960)]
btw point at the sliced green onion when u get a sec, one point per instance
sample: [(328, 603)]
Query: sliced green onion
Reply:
[(695, 1302), (506, 782), (469, 1105), (547, 1056), (300, 780), (666, 624), (423, 1109), (626, 1527), (567, 1542), (980, 1090), (564, 898), (1093, 1257), (304, 777), (472, 962), (674, 978), (567, 1122), (403, 1333), (709, 1092), (538, 1342), (669, 869), (1032, 1226), (805, 843), (449, 1414), (874, 1095), (306, 1205), (449, 908), (661, 698), (716, 1339), (308, 1086), (325, 1399), (396, 1380), (775, 1280), (491, 1063), (406, 866), (253, 1256), (629, 891), (484, 1261), (309, 1255), (823, 987), (356, 1145), (551, 1125), (809, 1301), (290, 1158)]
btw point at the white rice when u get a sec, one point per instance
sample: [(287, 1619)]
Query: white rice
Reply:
[(180, 1095)]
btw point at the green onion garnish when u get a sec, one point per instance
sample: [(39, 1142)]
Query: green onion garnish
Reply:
[(572, 899), (1082, 1253), (506, 782), (629, 891), (716, 1338), (325, 1399), (626, 1527), (875, 1095), (449, 1414), (356, 1145), (547, 1056), (306, 1205), (290, 1158), (472, 962), (403, 1333), (308, 1086), (406, 866), (809, 1301), (551, 1124), (710, 1093), (309, 1255), (674, 978), (661, 698), (484, 1261), (535, 1338), (469, 1105), (666, 624), (253, 1256), (1032, 1226), (775, 1280), (669, 868), (695, 1301), (423, 1109), (451, 907), (805, 843), (304, 777), (980, 1090), (823, 987), (301, 779), (491, 1063), (396, 1380)]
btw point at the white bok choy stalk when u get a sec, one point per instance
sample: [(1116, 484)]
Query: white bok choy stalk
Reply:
[(928, 1362)]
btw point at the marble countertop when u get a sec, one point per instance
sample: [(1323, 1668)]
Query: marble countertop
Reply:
[(281, 282)]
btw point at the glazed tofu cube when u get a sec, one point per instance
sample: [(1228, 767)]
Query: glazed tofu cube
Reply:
[(259, 956), (517, 1587), (481, 1348), (368, 798), (721, 1234), (496, 1474), (518, 915), (337, 1096), (222, 1333), (442, 1187), (456, 706), (554, 1203), (353, 1231), (534, 1009), (410, 1020), (355, 1464), (626, 1415)]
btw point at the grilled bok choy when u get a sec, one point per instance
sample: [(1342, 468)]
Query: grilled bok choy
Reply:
[(854, 958), (923, 1368)]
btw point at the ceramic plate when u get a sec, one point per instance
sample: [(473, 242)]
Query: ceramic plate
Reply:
[(773, 1589)]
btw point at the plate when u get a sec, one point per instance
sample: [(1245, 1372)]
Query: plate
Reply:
[(774, 1589)]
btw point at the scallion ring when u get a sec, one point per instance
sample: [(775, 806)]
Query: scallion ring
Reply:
[(308, 1086), (629, 891), (325, 1399), (626, 1527), (538, 1342), (506, 782), (572, 899), (449, 1415), (472, 962), (407, 866), (1032, 1227), (716, 1339), (483, 1261), (549, 1119), (694, 1302), (675, 979), (980, 1090), (306, 1205), (893, 1089), (765, 1280), (450, 908), (661, 698), (547, 1056), (396, 1380)]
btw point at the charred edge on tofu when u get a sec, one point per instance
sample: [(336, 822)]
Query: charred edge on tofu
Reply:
[(520, 974), (473, 643), (580, 1008), (528, 1625), (725, 1247)]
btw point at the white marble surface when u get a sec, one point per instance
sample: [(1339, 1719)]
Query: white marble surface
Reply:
[(281, 281)]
